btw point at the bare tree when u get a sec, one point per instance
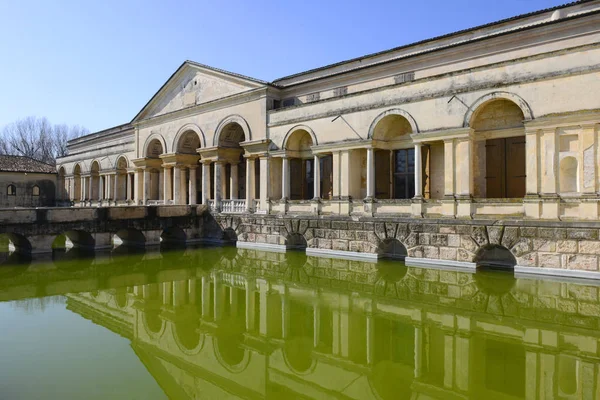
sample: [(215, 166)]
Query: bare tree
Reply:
[(36, 138)]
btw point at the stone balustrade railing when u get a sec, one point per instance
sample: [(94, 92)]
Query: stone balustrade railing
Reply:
[(235, 206)]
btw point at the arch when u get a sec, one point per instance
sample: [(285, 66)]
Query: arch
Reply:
[(568, 375), (516, 99), (129, 237), (15, 243), (395, 111), (307, 129), (230, 235), (74, 239), (568, 175), (121, 298), (122, 162), (77, 169), (296, 241), (392, 249), (62, 171), (494, 282), (95, 166), (153, 139), (230, 120), (495, 256), (183, 131), (174, 236)]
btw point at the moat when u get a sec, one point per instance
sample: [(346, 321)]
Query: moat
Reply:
[(221, 322)]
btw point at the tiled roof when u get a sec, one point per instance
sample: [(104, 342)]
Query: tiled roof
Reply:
[(24, 164)]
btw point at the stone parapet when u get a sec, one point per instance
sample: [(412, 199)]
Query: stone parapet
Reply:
[(539, 247)]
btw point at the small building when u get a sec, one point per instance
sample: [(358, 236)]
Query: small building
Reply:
[(25, 182)]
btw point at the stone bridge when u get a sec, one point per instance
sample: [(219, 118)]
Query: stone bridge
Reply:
[(41, 230)]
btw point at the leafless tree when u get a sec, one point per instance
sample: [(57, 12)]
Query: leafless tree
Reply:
[(37, 138)]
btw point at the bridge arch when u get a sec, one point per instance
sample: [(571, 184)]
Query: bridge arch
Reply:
[(129, 237), (495, 256), (392, 248), (15, 243), (74, 239), (173, 236)]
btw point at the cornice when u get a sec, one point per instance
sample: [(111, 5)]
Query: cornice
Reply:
[(224, 102)]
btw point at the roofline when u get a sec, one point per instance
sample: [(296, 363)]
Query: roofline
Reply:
[(433, 50), (445, 36), (30, 158), (72, 141)]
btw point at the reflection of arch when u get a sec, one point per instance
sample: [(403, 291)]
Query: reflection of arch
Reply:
[(230, 353), (304, 128), (187, 336), (390, 380), (183, 132), (522, 104), (153, 323), (394, 112), (568, 377), (121, 298), (568, 175), (233, 119), (298, 356), (154, 146), (495, 256), (392, 248), (494, 283)]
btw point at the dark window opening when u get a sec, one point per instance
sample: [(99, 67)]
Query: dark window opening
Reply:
[(404, 174), (11, 190), (301, 179)]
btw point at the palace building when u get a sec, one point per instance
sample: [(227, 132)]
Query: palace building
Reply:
[(497, 121)]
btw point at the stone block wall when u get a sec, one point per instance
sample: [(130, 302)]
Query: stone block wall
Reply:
[(552, 246)]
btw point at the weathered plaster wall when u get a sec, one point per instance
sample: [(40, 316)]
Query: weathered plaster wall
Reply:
[(24, 183)]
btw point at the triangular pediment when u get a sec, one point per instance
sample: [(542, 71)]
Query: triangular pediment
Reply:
[(194, 84)]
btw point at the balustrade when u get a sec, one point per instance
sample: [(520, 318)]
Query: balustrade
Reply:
[(233, 206)]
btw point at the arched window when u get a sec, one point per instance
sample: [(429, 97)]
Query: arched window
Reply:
[(11, 190), (35, 191)]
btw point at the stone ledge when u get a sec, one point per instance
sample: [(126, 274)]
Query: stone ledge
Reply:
[(440, 264), (346, 255), (522, 271), (261, 246)]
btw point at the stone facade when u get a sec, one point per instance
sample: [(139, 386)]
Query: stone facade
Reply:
[(25, 182), (565, 248), (437, 130)]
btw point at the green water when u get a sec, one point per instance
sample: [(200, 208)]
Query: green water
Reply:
[(222, 323)]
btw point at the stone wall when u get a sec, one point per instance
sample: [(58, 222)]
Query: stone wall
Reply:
[(555, 248)]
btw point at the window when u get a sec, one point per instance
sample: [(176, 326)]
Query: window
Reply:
[(11, 190), (404, 174), (35, 191)]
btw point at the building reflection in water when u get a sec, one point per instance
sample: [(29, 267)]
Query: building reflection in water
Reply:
[(219, 322)]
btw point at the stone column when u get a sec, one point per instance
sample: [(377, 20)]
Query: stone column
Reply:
[(146, 186), (168, 184), (531, 163), (250, 186), (264, 183), (549, 161), (90, 180), (418, 172), (101, 191), (464, 178), (81, 188), (192, 185), (137, 193), (219, 172), (449, 168), (177, 195), (205, 182), (370, 173), (116, 188), (285, 179), (233, 182), (317, 177)]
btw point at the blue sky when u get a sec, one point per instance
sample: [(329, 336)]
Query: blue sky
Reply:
[(96, 63)]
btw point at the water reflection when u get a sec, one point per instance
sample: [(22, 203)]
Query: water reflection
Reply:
[(223, 322)]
